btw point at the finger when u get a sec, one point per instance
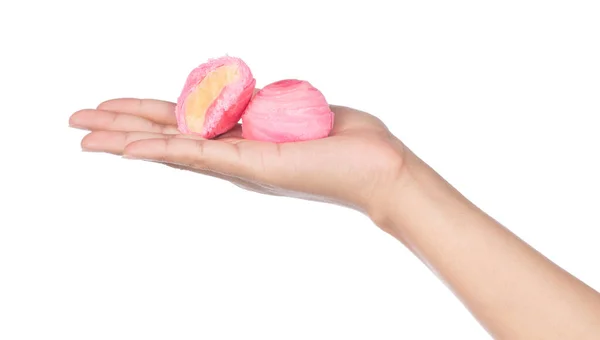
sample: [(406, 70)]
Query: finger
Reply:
[(234, 133), (347, 119), (115, 141), (224, 177), (113, 121), (207, 155), (240, 183), (158, 111), (343, 119)]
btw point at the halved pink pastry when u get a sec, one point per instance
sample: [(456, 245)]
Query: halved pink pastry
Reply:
[(214, 97), (289, 110)]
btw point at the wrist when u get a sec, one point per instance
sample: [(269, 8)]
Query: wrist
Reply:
[(416, 192), (386, 205)]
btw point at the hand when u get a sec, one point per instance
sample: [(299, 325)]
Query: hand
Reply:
[(363, 166), (353, 167)]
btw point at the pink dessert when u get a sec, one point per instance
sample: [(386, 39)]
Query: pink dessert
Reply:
[(214, 97), (289, 110)]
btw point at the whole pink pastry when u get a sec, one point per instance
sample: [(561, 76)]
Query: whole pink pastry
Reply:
[(214, 97), (289, 110)]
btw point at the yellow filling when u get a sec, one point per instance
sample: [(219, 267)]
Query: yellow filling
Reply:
[(198, 102)]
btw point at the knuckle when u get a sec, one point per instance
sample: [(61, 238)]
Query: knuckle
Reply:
[(199, 154)]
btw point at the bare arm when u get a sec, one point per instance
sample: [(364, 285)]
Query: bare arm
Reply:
[(514, 291)]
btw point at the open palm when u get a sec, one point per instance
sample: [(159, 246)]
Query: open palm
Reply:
[(351, 167)]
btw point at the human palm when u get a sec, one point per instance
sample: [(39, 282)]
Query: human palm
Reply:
[(351, 167)]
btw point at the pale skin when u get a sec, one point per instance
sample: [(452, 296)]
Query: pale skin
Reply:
[(510, 288)]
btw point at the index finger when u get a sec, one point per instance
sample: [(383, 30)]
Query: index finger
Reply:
[(158, 111)]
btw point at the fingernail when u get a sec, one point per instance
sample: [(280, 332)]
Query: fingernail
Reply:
[(135, 158), (74, 125)]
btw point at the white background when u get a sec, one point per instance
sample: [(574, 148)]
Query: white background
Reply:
[(502, 98)]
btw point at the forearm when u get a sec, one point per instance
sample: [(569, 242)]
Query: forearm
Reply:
[(515, 292)]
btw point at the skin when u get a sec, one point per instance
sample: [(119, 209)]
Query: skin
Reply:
[(510, 288)]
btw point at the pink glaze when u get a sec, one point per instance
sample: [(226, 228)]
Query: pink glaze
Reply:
[(224, 113), (287, 111)]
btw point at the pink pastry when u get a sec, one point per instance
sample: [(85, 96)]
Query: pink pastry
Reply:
[(214, 97), (289, 110)]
